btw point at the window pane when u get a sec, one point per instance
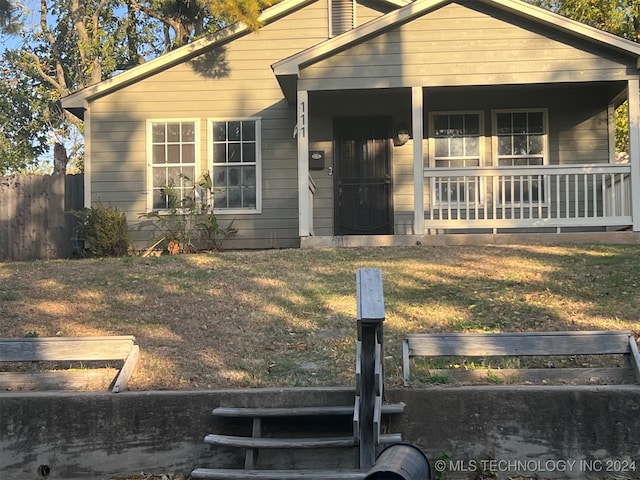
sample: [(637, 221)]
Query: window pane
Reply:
[(220, 199), (250, 197), (220, 177), (188, 132), (159, 200), (520, 122), (220, 153), (472, 124), (504, 123), (248, 131), (504, 146), (456, 123), (520, 145), (457, 147), (234, 152), (535, 145), (158, 154), (158, 133), (234, 176), (173, 132), (189, 175), (234, 131), (173, 153), (472, 146), (536, 122), (173, 176), (441, 125), (234, 197), (442, 147), (248, 152), (219, 131), (189, 153), (249, 176), (159, 177)]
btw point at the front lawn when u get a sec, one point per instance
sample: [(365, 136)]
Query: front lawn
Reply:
[(287, 317)]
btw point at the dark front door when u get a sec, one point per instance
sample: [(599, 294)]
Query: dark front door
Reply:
[(362, 172)]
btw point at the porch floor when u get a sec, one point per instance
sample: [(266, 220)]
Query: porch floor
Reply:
[(625, 237)]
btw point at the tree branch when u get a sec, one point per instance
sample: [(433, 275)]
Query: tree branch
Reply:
[(154, 14), (61, 88)]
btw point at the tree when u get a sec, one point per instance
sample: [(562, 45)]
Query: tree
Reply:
[(74, 44), (620, 17), (8, 21), (22, 130), (184, 21), (77, 43)]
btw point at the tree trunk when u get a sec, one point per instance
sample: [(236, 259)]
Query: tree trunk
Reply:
[(60, 159)]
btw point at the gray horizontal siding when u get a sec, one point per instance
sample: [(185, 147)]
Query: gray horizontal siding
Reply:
[(457, 45)]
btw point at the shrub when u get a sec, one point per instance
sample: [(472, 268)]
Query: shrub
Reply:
[(105, 229)]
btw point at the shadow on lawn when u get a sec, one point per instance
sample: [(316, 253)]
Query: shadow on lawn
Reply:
[(287, 317)]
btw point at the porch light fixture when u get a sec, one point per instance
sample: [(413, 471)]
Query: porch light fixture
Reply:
[(402, 136)]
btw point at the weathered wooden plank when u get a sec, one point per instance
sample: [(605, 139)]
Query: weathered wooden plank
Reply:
[(231, 474), (346, 410), (520, 344), (297, 443), (564, 376), (406, 361), (65, 348), (369, 294), (122, 380), (251, 455), (60, 380), (277, 443)]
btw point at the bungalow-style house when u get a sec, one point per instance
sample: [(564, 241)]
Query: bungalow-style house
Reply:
[(380, 120)]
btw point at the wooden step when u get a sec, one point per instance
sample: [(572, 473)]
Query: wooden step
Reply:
[(237, 474), (297, 443), (389, 409)]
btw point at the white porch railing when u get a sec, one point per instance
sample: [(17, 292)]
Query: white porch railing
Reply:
[(528, 197)]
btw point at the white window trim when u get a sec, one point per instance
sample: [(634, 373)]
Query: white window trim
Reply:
[(481, 154), (149, 153), (545, 145), (258, 122)]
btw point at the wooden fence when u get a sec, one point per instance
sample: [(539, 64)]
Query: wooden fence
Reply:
[(35, 222)]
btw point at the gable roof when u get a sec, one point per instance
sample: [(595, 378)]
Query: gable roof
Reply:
[(291, 66), (75, 102)]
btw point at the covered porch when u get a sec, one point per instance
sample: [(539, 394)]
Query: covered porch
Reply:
[(507, 114), (580, 188)]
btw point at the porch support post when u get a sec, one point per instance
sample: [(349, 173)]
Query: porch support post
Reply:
[(302, 107), (418, 163), (634, 149)]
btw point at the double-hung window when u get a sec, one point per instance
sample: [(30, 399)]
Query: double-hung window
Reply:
[(173, 162), (520, 140), (234, 150), (456, 144)]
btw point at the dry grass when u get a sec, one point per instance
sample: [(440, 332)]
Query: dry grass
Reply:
[(287, 317)]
